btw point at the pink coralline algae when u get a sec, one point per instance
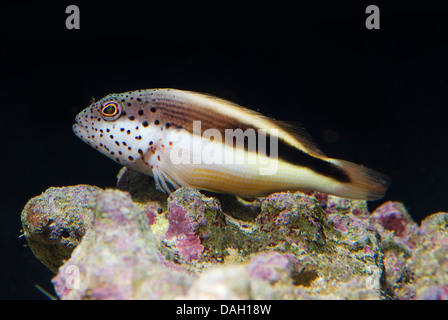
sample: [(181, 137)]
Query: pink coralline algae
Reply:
[(151, 211), (143, 245), (118, 257), (55, 222), (399, 234), (288, 245), (435, 292), (269, 266), (181, 226), (430, 258), (393, 217)]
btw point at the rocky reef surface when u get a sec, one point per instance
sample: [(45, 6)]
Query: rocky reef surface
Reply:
[(134, 242)]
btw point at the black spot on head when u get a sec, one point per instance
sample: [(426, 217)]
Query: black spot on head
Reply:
[(140, 112), (157, 122), (117, 143), (107, 130), (140, 151), (128, 132), (145, 123), (153, 109), (129, 104), (122, 129), (131, 118), (151, 143), (167, 125), (120, 153), (124, 143), (138, 137), (131, 158), (138, 99), (111, 136)]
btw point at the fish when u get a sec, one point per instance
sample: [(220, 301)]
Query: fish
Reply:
[(190, 139)]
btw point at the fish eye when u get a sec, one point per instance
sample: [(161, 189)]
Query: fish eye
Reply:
[(110, 111)]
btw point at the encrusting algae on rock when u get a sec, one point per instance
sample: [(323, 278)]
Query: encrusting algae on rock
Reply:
[(430, 259), (55, 222), (118, 258), (141, 244)]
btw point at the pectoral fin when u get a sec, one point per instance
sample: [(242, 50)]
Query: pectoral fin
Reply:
[(163, 177)]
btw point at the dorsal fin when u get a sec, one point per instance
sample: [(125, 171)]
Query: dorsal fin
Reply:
[(298, 131)]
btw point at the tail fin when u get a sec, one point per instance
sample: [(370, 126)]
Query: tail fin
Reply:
[(366, 184)]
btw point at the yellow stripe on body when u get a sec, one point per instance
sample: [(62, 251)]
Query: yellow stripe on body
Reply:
[(244, 180), (215, 180)]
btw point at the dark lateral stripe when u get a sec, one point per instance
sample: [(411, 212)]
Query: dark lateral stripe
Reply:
[(215, 120), (296, 156), (291, 154)]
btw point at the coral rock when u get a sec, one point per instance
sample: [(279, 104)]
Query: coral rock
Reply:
[(143, 245), (291, 249), (430, 259), (223, 283), (399, 235), (55, 222), (118, 258)]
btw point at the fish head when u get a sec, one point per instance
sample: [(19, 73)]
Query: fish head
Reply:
[(116, 126), (99, 117)]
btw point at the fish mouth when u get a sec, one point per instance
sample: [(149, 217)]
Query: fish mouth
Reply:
[(80, 131), (79, 127)]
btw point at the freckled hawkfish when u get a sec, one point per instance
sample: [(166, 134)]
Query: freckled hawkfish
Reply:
[(184, 138)]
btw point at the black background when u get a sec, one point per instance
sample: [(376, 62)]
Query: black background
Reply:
[(383, 92)]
